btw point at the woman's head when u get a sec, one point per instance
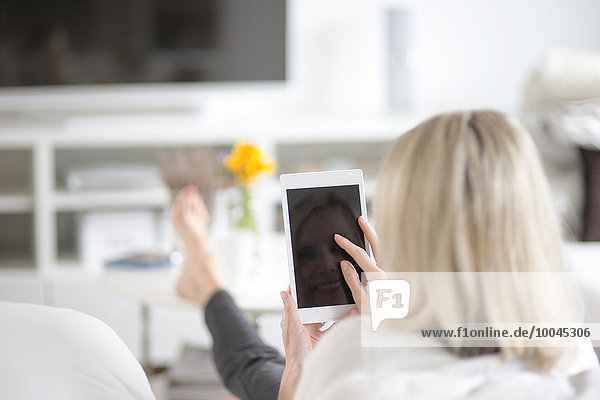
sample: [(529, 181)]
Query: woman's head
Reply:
[(465, 192), (470, 186)]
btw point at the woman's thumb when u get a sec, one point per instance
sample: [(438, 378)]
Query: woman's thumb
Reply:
[(289, 308)]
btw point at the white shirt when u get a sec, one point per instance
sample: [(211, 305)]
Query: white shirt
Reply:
[(340, 369)]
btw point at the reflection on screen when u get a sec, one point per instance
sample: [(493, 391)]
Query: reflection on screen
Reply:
[(316, 214)]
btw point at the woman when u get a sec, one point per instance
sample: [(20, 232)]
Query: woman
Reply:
[(462, 192)]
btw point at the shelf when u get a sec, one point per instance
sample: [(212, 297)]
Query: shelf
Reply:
[(112, 199), (16, 263), (15, 202), (70, 272)]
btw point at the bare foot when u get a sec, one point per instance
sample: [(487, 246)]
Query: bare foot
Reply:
[(190, 217), (199, 279)]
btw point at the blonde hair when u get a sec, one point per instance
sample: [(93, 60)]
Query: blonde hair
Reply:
[(465, 192)]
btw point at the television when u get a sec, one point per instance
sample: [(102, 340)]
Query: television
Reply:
[(104, 42)]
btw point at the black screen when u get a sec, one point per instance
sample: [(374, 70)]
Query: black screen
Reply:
[(316, 214), (124, 41)]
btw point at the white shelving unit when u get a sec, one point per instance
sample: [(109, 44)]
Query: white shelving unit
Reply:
[(114, 198), (34, 151), (15, 202)]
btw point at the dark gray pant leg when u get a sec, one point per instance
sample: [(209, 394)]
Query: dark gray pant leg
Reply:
[(248, 367)]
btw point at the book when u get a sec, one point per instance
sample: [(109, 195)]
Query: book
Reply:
[(141, 261)]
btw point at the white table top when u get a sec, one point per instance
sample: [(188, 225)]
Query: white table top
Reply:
[(256, 289)]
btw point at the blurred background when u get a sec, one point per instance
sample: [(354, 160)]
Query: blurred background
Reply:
[(107, 108)]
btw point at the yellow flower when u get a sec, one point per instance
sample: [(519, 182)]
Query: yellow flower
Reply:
[(246, 161)]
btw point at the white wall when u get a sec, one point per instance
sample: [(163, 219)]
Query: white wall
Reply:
[(474, 53), (336, 50), (465, 53)]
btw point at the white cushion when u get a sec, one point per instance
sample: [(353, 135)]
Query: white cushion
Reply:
[(54, 353)]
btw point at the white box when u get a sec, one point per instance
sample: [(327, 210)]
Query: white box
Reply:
[(108, 235)]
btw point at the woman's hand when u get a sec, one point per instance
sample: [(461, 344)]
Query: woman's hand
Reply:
[(364, 261), (299, 340)]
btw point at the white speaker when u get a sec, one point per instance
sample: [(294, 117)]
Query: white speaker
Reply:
[(400, 75)]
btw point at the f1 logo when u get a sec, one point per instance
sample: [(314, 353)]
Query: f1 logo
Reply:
[(388, 299)]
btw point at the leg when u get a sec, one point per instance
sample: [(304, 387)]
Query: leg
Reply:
[(249, 368)]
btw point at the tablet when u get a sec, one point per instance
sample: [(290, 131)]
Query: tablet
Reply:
[(317, 205)]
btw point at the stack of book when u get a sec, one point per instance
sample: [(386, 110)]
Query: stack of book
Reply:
[(195, 377)]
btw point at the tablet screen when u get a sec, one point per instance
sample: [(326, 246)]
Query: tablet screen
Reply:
[(316, 214)]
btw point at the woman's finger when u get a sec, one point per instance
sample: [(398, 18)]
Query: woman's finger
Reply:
[(315, 331), (370, 234), (297, 339), (349, 314), (316, 325), (290, 312), (353, 281), (359, 254)]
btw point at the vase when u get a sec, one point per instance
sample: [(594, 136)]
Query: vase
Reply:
[(236, 256), (247, 219)]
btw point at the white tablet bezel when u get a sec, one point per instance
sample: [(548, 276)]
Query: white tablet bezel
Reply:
[(314, 180)]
